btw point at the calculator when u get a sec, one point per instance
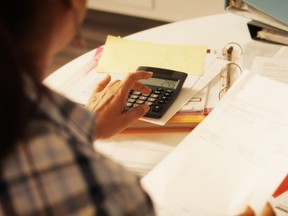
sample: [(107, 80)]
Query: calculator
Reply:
[(165, 85)]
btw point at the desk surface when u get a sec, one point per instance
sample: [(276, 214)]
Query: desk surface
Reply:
[(141, 152), (215, 31)]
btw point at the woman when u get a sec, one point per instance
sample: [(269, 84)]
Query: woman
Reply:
[(47, 162)]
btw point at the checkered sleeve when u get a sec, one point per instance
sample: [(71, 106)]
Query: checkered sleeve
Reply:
[(58, 172)]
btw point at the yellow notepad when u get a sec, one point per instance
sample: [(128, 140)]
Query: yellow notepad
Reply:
[(124, 56)]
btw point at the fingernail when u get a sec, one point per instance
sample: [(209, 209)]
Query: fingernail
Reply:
[(150, 73)]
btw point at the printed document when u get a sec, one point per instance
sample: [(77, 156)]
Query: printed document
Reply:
[(236, 157)]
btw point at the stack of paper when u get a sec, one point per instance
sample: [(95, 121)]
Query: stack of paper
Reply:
[(236, 157)]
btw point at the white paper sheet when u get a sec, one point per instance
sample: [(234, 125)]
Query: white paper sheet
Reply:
[(272, 68), (237, 156), (140, 152), (281, 56)]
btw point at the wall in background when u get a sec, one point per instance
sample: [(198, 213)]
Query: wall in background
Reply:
[(164, 10)]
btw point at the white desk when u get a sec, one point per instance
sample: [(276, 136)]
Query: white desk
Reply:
[(143, 151)]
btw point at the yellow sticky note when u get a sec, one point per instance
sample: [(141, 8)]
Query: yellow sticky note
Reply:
[(124, 56)]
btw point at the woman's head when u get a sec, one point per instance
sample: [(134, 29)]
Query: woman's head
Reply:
[(41, 28), (31, 32)]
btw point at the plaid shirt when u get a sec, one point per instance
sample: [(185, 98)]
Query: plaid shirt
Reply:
[(56, 171)]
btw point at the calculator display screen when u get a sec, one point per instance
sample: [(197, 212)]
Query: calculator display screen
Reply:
[(164, 83)]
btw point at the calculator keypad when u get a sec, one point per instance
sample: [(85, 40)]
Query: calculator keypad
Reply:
[(157, 99)]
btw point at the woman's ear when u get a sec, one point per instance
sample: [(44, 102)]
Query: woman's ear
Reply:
[(67, 3), (76, 4)]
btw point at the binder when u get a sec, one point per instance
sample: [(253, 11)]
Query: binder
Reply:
[(276, 9), (266, 33), (269, 18)]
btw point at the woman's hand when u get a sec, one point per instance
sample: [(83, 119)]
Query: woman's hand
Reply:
[(266, 211), (109, 102)]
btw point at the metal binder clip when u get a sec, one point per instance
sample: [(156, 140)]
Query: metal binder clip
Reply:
[(232, 52), (230, 72), (228, 76)]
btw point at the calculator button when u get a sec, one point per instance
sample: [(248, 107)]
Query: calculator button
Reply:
[(135, 105), (140, 102), (157, 92), (160, 89), (148, 103), (151, 99), (164, 98), (156, 108), (161, 102), (143, 98), (130, 100), (169, 91), (137, 93), (153, 95), (129, 104), (167, 94), (134, 96)]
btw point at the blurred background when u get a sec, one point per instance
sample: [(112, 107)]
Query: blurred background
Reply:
[(125, 17)]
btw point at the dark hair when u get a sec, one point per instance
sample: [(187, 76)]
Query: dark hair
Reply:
[(14, 19)]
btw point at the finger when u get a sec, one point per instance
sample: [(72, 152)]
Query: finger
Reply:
[(113, 83), (248, 212), (138, 86), (268, 211), (130, 80), (140, 75), (103, 83), (135, 113), (108, 94)]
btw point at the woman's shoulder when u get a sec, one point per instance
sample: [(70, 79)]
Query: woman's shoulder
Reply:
[(68, 171)]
